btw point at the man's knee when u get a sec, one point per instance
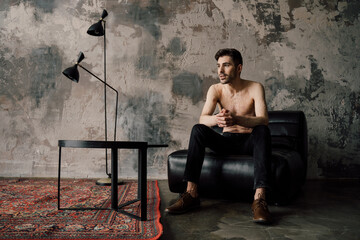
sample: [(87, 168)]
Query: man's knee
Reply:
[(198, 127), (199, 130)]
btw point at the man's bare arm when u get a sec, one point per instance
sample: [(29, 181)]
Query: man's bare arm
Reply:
[(207, 118)]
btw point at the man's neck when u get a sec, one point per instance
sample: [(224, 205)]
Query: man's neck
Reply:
[(236, 85)]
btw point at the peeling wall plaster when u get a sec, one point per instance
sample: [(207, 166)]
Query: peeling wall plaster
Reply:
[(160, 57)]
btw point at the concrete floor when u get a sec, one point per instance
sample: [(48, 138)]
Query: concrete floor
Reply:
[(325, 210)]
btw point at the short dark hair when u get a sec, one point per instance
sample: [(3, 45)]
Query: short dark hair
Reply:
[(231, 52)]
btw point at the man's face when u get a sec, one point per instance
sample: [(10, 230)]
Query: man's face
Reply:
[(226, 70)]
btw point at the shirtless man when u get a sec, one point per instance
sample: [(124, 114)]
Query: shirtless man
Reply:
[(244, 119)]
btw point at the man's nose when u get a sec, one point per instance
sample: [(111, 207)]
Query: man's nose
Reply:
[(221, 69)]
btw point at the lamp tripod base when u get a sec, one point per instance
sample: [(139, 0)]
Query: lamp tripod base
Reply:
[(107, 182)]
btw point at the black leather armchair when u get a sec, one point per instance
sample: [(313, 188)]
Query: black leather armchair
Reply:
[(233, 175)]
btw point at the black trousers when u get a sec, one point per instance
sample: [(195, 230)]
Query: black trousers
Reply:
[(257, 143)]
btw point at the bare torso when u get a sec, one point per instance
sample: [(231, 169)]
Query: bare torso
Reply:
[(240, 102)]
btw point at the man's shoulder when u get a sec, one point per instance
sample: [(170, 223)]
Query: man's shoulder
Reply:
[(251, 83), (217, 87), (214, 92), (253, 86)]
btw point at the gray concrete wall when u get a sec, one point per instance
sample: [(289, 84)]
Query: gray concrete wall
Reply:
[(161, 59)]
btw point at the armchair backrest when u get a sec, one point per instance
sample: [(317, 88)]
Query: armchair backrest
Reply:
[(289, 130)]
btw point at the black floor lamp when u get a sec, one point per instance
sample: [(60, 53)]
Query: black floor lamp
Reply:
[(73, 74), (98, 30)]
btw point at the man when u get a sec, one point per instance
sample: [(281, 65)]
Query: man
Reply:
[(244, 119)]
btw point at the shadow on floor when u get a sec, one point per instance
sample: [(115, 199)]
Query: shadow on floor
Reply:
[(325, 210)]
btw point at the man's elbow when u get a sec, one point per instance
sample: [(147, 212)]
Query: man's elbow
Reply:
[(266, 121)]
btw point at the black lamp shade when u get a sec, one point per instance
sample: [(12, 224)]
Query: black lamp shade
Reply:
[(104, 14), (80, 57), (72, 73), (96, 29)]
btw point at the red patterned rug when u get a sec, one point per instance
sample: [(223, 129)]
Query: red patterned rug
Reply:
[(28, 210)]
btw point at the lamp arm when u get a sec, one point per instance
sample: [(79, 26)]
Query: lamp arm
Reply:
[(117, 95), (105, 98)]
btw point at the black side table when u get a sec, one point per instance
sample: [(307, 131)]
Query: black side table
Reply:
[(114, 146)]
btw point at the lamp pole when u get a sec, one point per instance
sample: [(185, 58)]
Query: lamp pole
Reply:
[(98, 29), (105, 99)]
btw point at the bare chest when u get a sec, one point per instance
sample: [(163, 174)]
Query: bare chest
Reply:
[(241, 103)]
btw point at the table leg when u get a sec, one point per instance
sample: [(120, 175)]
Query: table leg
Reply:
[(139, 174), (143, 182), (59, 178), (114, 178)]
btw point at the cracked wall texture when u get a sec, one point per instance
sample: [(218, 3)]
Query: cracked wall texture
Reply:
[(160, 56)]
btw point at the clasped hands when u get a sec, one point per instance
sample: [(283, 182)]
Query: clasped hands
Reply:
[(224, 118)]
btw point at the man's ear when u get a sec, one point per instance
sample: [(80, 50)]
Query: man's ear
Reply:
[(239, 68)]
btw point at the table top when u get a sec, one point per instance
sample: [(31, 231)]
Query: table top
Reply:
[(107, 144)]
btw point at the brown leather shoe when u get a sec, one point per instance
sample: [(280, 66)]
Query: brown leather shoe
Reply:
[(185, 203), (261, 211)]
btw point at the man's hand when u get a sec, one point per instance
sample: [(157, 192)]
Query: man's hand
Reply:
[(224, 118)]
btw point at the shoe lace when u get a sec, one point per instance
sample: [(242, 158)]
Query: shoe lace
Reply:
[(183, 198), (184, 195), (261, 203)]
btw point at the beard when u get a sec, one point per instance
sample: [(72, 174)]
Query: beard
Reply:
[(228, 79), (225, 81)]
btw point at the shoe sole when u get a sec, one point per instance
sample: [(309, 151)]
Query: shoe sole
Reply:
[(261, 221)]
